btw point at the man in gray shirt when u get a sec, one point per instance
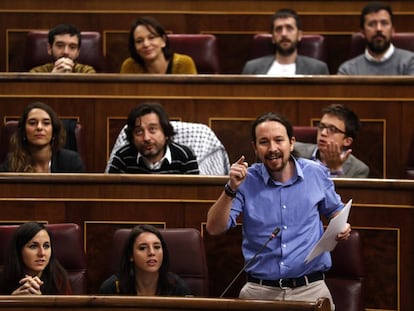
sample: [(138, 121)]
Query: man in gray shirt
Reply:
[(337, 130), (286, 33), (381, 57)]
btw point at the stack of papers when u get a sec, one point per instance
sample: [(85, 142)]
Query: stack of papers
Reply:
[(328, 240)]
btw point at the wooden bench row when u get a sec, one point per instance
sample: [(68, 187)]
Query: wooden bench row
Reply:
[(226, 103), (382, 212), (233, 22), (84, 303)]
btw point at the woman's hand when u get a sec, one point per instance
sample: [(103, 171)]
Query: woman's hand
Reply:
[(29, 286)]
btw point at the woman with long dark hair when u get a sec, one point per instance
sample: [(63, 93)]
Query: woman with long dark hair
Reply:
[(144, 267), (37, 145), (30, 266)]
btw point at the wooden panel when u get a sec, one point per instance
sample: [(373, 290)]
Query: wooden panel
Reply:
[(202, 5), (235, 135), (16, 41), (385, 243), (113, 129), (115, 49)]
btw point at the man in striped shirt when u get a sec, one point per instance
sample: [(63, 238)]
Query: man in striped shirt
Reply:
[(150, 149)]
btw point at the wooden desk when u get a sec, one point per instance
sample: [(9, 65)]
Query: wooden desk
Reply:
[(382, 211), (124, 303), (228, 104)]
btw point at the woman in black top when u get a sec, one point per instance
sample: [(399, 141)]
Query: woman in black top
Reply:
[(37, 145), (144, 268), (30, 266)]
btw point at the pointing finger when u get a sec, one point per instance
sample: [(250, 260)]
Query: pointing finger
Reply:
[(241, 160)]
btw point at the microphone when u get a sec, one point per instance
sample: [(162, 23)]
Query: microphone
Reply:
[(271, 237)]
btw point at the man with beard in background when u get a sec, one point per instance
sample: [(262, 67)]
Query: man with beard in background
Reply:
[(286, 32), (381, 57), (64, 48)]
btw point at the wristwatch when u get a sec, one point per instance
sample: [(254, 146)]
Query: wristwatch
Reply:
[(230, 192)]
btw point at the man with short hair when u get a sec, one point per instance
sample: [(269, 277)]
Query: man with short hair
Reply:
[(279, 192), (150, 149), (381, 57), (64, 48), (286, 32), (337, 130)]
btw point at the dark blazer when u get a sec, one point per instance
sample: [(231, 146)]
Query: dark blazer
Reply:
[(304, 66), (63, 161), (352, 167), (67, 161)]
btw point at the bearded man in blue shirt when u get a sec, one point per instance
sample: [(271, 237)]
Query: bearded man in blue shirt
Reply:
[(279, 191)]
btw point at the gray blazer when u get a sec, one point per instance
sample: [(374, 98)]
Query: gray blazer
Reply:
[(304, 66), (352, 167)]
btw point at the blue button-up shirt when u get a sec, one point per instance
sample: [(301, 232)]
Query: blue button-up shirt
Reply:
[(295, 207)]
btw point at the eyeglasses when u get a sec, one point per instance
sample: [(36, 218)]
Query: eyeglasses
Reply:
[(331, 129)]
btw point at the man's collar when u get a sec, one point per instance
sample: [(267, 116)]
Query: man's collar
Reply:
[(297, 174), (315, 154), (154, 166)]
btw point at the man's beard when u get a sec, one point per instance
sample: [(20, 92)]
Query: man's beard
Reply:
[(277, 155), (286, 52), (377, 48)]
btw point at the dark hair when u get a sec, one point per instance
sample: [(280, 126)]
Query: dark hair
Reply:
[(147, 108), (63, 29), (19, 157), (153, 27), (54, 275), (127, 267), (271, 116), (351, 120), (374, 7), (285, 13)]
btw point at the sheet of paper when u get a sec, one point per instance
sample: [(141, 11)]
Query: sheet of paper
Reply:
[(328, 240)]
